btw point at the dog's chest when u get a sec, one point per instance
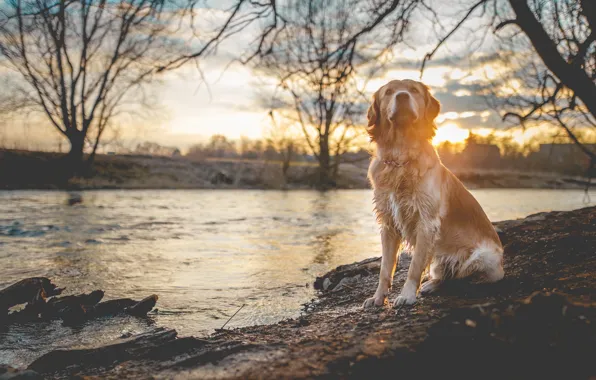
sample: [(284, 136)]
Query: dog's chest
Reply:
[(404, 213), (411, 205)]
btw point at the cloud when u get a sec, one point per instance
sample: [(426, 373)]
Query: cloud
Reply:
[(472, 62), (461, 83)]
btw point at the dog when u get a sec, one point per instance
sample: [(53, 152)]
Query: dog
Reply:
[(419, 202)]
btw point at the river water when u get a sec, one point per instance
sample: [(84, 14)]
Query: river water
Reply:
[(204, 252)]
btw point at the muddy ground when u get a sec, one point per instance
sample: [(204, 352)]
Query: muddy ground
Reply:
[(539, 322)]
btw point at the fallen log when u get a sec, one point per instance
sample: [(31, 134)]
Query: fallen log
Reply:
[(118, 351), (75, 315), (26, 291), (56, 305), (73, 309)]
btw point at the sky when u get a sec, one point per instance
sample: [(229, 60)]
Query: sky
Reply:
[(223, 97), (227, 100)]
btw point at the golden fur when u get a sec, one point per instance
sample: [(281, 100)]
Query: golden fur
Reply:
[(420, 202)]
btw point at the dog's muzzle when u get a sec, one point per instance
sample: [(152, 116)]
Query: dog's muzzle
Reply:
[(402, 109)]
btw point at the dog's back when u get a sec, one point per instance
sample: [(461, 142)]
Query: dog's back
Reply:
[(468, 234)]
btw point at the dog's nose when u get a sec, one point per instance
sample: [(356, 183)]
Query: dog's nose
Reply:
[(404, 110), (402, 97)]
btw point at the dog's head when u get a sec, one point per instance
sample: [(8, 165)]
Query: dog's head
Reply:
[(402, 108)]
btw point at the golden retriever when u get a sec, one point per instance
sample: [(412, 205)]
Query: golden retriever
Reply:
[(418, 201)]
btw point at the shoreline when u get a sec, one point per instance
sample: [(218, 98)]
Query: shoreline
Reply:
[(99, 189), (21, 170), (523, 322)]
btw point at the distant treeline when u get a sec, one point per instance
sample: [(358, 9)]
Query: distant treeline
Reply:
[(494, 152), (477, 152), (219, 146)]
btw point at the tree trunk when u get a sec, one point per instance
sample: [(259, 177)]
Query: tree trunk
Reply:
[(336, 161), (287, 161), (75, 155), (324, 164), (572, 76)]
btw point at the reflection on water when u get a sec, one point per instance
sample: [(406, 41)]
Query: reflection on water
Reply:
[(205, 253)]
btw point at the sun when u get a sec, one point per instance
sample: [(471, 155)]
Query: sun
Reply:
[(451, 132)]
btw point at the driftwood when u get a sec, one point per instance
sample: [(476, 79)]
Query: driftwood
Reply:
[(119, 350), (34, 292), (29, 290)]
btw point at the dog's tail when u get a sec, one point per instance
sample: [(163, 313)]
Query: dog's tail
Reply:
[(486, 260)]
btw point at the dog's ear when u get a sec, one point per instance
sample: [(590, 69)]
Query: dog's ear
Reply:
[(433, 107), (373, 117)]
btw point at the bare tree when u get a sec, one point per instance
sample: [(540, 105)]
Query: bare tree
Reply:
[(549, 50), (283, 140), (314, 59), (275, 16), (326, 120), (83, 63)]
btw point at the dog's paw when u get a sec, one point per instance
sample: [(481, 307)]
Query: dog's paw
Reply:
[(429, 287), (374, 301), (404, 299)]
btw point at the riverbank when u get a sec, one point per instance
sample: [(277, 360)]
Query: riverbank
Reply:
[(39, 170), (539, 322)]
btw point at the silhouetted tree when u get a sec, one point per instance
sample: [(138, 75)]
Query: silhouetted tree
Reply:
[(314, 59), (82, 63), (283, 139), (548, 48)]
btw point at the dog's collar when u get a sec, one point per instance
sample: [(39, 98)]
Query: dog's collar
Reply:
[(395, 163)]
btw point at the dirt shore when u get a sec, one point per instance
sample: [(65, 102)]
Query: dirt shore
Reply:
[(38, 170), (539, 322)]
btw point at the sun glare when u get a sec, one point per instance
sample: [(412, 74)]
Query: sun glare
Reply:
[(450, 132)]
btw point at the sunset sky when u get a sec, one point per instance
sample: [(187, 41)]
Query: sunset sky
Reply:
[(227, 100)]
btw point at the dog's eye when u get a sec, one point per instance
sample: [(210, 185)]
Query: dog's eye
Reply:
[(415, 90)]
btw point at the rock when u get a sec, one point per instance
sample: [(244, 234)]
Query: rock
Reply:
[(326, 283), (346, 281), (364, 268), (9, 373)]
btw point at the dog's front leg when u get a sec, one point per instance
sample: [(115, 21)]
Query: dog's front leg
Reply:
[(390, 241), (423, 252)]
